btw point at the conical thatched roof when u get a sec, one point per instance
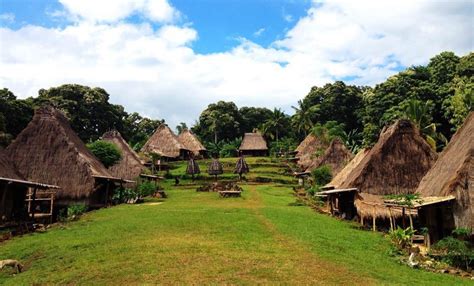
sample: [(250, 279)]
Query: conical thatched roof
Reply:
[(215, 168), (193, 167), (241, 167), (49, 151), (164, 143), (342, 175), (191, 142), (453, 174), (130, 166), (336, 157), (308, 149), (7, 168), (253, 141), (394, 165)]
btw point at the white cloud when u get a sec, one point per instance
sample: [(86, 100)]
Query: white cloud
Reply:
[(259, 32), (156, 72), (112, 11), (7, 18)]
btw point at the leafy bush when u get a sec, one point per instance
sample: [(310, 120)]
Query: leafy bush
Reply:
[(108, 153), (401, 237), (285, 144), (455, 252), (73, 212), (230, 148), (123, 195), (322, 175), (146, 189)]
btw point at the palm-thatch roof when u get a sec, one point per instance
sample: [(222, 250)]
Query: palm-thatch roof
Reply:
[(453, 174), (49, 151), (215, 168), (191, 142), (368, 205), (241, 167), (7, 168), (253, 141), (308, 150), (342, 175), (130, 166), (336, 157), (164, 143), (395, 165), (193, 167)]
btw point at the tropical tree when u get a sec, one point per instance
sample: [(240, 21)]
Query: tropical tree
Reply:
[(181, 127), (301, 120), (276, 124)]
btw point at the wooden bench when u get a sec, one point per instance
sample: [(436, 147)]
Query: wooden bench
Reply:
[(228, 194)]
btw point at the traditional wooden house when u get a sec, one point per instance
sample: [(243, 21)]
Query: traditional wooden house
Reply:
[(130, 165), (49, 151), (394, 165), (253, 144), (13, 192), (166, 144), (192, 143), (309, 150), (336, 157), (447, 189)]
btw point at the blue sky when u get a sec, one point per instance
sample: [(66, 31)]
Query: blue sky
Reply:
[(171, 58), (220, 22)]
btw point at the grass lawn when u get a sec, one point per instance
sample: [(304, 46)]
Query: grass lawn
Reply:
[(199, 238)]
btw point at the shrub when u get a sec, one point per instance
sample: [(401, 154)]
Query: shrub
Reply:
[(108, 153), (123, 195), (73, 212), (401, 237), (146, 189), (322, 175), (455, 252)]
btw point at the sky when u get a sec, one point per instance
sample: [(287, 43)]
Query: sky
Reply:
[(169, 59)]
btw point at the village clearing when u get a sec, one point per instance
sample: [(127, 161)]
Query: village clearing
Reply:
[(200, 238)]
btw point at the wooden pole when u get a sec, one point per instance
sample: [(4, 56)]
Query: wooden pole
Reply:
[(411, 219), (362, 220), (4, 199), (403, 217), (107, 192), (33, 203), (391, 222), (373, 219)]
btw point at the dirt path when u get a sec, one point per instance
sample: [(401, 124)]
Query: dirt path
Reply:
[(310, 268)]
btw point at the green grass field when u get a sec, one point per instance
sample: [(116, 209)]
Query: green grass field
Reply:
[(199, 238)]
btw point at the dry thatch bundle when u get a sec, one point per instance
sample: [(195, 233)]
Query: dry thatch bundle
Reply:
[(342, 175), (49, 151), (308, 150), (453, 174), (130, 166), (191, 142), (241, 167), (336, 157), (253, 144), (165, 143), (7, 168), (395, 165), (373, 206), (215, 168), (193, 167)]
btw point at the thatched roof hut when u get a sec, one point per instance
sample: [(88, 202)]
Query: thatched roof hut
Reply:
[(253, 144), (342, 175), (395, 165), (308, 150), (336, 157), (130, 165), (13, 190), (453, 175), (191, 142), (48, 150), (165, 143)]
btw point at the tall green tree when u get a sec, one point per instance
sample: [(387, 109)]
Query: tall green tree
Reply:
[(302, 119), (181, 127), (252, 117), (14, 115), (277, 124)]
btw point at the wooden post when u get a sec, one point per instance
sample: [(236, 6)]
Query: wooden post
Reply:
[(403, 218), (411, 220), (362, 220), (373, 219), (51, 208), (107, 192), (33, 202), (391, 222)]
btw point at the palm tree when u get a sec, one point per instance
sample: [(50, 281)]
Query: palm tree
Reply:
[(302, 118), (275, 123), (419, 113)]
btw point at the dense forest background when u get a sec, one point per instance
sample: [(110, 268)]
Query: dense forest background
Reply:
[(436, 97)]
